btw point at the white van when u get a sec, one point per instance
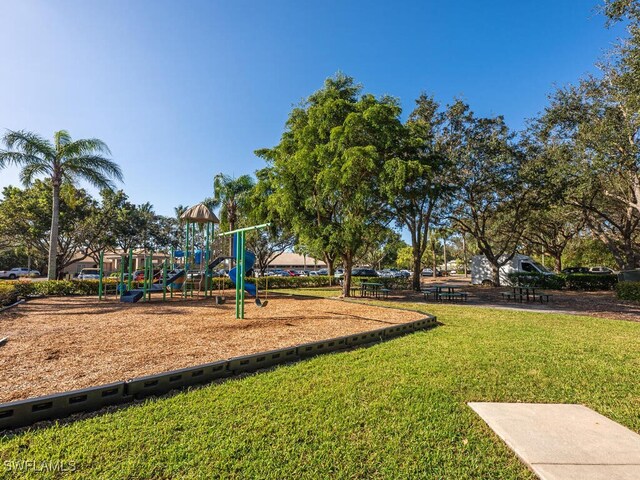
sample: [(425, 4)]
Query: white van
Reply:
[(482, 273), (89, 274)]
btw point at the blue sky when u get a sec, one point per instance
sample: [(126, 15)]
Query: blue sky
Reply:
[(182, 90)]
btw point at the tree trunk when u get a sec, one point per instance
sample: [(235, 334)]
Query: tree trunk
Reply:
[(52, 271), (495, 269), (435, 261), (346, 280), (558, 262), (464, 253), (330, 268), (444, 253), (417, 264)]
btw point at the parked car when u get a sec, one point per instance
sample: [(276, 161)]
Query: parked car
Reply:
[(428, 272), (116, 275), (363, 272), (195, 274), (339, 273), (89, 274), (601, 270), (18, 272), (572, 270), (322, 271), (277, 273)]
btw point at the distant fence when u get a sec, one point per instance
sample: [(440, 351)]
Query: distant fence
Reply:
[(22, 413)]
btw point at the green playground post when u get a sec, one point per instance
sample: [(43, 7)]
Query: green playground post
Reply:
[(150, 273), (164, 280), (144, 280), (100, 284), (121, 284), (242, 273), (206, 261), (186, 262), (239, 274), (130, 279)]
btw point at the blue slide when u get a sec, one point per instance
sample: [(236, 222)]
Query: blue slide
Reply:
[(174, 281), (249, 259)]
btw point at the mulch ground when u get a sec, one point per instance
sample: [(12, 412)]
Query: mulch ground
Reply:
[(65, 343)]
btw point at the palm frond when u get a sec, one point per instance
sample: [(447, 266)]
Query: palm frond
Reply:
[(17, 158), (99, 167), (86, 146), (61, 138), (33, 169), (91, 176), (28, 143)]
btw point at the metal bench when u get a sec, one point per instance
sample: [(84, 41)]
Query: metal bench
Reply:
[(385, 292), (428, 292), (543, 297), (462, 296)]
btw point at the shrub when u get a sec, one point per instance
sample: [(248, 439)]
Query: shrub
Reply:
[(391, 283), (24, 288), (628, 291), (574, 281), (539, 280), (590, 281), (8, 293), (291, 282)]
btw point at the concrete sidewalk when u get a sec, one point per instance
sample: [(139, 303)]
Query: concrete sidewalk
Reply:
[(565, 442)]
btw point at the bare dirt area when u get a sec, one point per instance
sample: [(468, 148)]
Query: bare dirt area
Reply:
[(595, 304), (65, 343)]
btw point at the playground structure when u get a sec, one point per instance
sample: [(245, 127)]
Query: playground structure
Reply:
[(172, 275)]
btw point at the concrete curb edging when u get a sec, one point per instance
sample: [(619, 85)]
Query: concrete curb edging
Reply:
[(22, 413)]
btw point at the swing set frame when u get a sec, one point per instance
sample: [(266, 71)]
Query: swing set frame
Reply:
[(240, 264)]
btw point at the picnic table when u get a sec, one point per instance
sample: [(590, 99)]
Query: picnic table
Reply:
[(370, 289), (529, 294), (444, 292)]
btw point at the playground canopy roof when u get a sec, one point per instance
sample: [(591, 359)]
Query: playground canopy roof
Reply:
[(199, 213)]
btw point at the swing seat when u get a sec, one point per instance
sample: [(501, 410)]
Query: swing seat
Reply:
[(261, 304)]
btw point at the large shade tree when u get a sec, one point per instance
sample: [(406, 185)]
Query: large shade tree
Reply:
[(25, 217), (490, 199), (62, 161), (326, 169), (414, 182)]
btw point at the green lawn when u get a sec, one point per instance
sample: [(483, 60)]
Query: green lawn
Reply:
[(393, 410)]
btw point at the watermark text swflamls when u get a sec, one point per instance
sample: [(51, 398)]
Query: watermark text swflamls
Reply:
[(39, 466)]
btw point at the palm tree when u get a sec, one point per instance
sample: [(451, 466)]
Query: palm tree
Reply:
[(230, 194), (62, 161)]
